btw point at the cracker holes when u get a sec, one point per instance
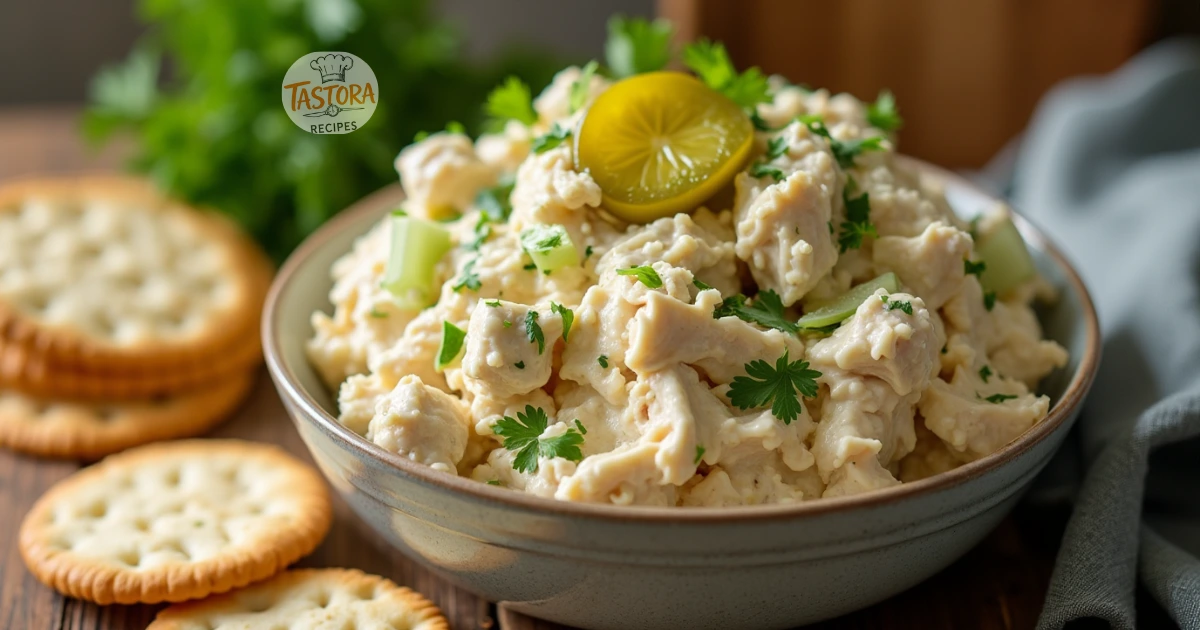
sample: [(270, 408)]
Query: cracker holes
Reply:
[(259, 604), (98, 509), (174, 546), (141, 524), (130, 558), (322, 598)]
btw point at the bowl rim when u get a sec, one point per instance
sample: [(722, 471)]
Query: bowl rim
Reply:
[(290, 387)]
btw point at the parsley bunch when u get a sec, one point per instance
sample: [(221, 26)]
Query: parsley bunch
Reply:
[(215, 133)]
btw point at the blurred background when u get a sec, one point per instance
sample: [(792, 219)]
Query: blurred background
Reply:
[(187, 89)]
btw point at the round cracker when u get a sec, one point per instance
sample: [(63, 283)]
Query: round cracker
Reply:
[(307, 599), (104, 271), (174, 521), (24, 370), (82, 430)]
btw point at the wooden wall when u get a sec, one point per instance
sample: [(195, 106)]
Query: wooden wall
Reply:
[(966, 73)]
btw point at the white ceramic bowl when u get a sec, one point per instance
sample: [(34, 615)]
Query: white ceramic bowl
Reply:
[(600, 566)]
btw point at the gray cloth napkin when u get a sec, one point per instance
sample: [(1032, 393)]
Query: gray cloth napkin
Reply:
[(1110, 167)]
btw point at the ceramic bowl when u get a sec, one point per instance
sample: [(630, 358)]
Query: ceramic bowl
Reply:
[(602, 566)]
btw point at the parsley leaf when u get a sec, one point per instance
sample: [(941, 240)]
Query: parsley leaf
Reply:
[(766, 310), (759, 123), (844, 151), (469, 279), (579, 89), (989, 300), (568, 317), (996, 399), (579, 425), (700, 284), (602, 360), (533, 330), (493, 482), (699, 454), (524, 435), (511, 100), (711, 63), (857, 224), (496, 202), (766, 170), (587, 252), (984, 373), (483, 231), (776, 147), (636, 45), (520, 365), (377, 314), (452, 343), (972, 268), (777, 386), (551, 139), (645, 274), (492, 303), (882, 114), (896, 304)]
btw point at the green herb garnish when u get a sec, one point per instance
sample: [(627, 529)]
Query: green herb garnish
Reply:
[(452, 345), (766, 310), (776, 386), (644, 274), (568, 317), (882, 114), (551, 139), (710, 61), (636, 45), (523, 435), (857, 224), (533, 330)]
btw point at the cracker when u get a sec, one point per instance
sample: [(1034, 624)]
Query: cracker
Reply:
[(309, 599), (24, 370), (175, 521), (79, 430), (104, 272)]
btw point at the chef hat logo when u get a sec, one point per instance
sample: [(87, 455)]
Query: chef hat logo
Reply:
[(332, 67)]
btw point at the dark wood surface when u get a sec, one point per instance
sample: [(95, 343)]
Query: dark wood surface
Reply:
[(1000, 584)]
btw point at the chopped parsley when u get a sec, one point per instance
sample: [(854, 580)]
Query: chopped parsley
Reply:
[(996, 399), (496, 202), (456, 127), (510, 100), (492, 303), (542, 238), (579, 89), (700, 284), (759, 123), (493, 482), (759, 169), (529, 266), (776, 147), (452, 344), (520, 365), (483, 231), (766, 310), (637, 45), (377, 314), (989, 300), (533, 330), (399, 212), (602, 360), (896, 304), (984, 373), (882, 114), (857, 224), (469, 279), (699, 454), (777, 386), (972, 268), (579, 425), (524, 436), (710, 61), (568, 317), (644, 274), (587, 252), (507, 324), (844, 151), (550, 139)]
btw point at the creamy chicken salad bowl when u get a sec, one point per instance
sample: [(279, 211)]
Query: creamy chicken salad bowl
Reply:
[(669, 349)]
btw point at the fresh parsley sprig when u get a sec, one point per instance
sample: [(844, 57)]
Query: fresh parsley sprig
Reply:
[(644, 274), (496, 202), (857, 224), (582, 87), (766, 310), (759, 169), (567, 315), (780, 386), (904, 306), (468, 279), (510, 100), (533, 330), (710, 61), (973, 268), (524, 435), (883, 115), (551, 139), (636, 45), (844, 151)]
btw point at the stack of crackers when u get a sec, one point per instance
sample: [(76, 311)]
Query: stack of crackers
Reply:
[(127, 318)]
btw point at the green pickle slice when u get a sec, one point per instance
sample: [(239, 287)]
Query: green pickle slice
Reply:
[(844, 305), (1009, 264)]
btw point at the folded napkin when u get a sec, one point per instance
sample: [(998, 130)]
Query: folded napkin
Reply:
[(1110, 167)]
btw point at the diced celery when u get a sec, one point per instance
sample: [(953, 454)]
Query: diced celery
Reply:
[(417, 246), (844, 305), (452, 345), (1008, 262), (550, 247)]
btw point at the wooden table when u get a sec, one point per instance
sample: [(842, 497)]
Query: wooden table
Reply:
[(1000, 584)]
